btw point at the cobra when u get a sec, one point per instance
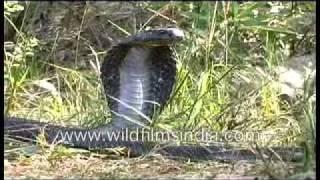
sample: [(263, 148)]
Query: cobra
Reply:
[(138, 76)]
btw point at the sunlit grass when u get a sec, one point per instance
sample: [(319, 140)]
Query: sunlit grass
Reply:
[(211, 59)]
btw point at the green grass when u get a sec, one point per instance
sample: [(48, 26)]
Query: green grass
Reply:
[(224, 44)]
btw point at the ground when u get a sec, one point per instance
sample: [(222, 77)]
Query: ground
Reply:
[(58, 162), (53, 52)]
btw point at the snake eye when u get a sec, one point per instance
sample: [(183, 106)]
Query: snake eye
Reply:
[(162, 32)]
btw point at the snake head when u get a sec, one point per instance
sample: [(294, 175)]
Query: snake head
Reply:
[(156, 37)]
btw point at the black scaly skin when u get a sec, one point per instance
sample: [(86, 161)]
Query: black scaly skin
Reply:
[(163, 74), (110, 72)]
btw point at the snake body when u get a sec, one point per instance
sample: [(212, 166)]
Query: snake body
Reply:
[(138, 75)]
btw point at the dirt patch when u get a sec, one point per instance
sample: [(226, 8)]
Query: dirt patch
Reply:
[(95, 166)]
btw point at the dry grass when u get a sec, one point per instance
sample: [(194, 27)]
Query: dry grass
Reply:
[(52, 67)]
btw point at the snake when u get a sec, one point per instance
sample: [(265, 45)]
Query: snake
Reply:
[(138, 75)]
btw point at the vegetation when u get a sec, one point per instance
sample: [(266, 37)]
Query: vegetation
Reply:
[(225, 69)]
